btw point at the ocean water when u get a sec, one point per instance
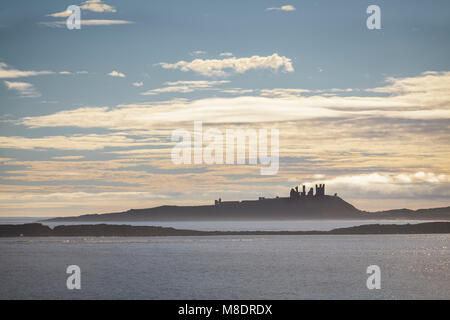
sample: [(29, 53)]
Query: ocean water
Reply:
[(227, 267)]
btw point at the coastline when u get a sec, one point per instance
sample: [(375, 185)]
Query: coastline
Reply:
[(106, 230)]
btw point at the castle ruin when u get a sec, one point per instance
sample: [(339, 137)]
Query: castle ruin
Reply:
[(294, 194)]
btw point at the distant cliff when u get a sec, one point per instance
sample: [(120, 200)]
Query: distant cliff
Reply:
[(322, 207), (105, 230)]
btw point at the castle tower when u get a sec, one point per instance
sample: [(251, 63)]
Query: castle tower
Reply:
[(320, 190)]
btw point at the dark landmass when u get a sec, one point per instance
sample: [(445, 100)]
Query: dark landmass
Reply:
[(322, 207), (267, 209), (105, 230), (436, 212)]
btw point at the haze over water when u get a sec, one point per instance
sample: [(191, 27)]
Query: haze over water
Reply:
[(298, 225)]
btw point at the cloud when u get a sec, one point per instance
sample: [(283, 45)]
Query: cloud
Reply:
[(277, 104), (115, 73), (388, 185), (388, 142), (103, 22), (226, 54), (197, 53), (237, 91), (282, 8), (25, 89), (138, 84), (295, 92), (97, 6), (68, 157), (70, 72), (217, 67), (74, 142), (386, 178), (87, 22), (184, 87), (391, 124), (430, 88), (283, 92), (62, 14), (244, 109), (8, 73), (89, 5)]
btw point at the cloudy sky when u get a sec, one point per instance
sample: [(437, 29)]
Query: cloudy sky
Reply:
[(87, 115)]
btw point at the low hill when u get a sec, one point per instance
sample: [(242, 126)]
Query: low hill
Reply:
[(324, 207), (306, 208)]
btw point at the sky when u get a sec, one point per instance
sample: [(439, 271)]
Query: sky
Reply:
[(87, 115)]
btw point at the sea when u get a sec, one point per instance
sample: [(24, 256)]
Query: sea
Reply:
[(228, 267)]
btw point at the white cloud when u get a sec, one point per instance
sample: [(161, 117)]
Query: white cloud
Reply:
[(427, 105), (70, 72), (246, 109), (24, 89), (185, 86), (87, 22), (89, 5), (115, 73), (294, 92), (226, 54), (282, 8), (217, 67), (197, 53), (430, 88), (138, 84), (7, 73), (388, 184), (237, 91), (97, 6), (283, 92), (62, 14)]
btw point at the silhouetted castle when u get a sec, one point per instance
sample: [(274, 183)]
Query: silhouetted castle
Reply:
[(294, 194), (298, 205), (320, 191)]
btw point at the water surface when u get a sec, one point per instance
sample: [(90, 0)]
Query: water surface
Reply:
[(227, 267)]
